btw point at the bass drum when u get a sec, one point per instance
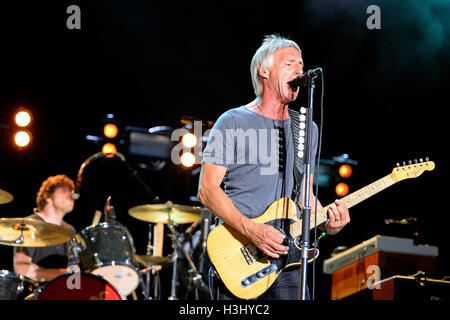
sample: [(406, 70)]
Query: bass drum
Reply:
[(108, 251), (14, 286), (77, 286)]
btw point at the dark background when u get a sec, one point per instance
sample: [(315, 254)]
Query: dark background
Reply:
[(151, 63)]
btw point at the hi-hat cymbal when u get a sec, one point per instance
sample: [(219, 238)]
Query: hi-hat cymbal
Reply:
[(35, 233), (5, 196), (166, 213), (146, 260)]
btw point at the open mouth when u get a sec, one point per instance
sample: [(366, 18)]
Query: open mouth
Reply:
[(293, 85)]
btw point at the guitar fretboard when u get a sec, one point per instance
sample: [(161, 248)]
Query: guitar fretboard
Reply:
[(350, 200)]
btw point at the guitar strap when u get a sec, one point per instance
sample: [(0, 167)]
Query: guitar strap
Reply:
[(299, 164)]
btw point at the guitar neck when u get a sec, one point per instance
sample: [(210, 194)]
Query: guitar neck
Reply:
[(350, 200)]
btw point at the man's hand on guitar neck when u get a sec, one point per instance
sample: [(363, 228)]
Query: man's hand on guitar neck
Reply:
[(266, 238), (338, 217)]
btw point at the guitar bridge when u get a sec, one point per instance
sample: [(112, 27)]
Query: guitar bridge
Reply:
[(251, 253)]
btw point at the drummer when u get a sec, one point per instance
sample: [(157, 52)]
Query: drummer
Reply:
[(54, 201)]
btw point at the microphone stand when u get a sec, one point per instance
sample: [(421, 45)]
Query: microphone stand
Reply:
[(306, 209)]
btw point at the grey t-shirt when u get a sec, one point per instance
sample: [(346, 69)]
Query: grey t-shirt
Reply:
[(258, 153)]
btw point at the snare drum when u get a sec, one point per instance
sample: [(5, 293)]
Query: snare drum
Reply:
[(14, 286), (77, 286), (108, 250)]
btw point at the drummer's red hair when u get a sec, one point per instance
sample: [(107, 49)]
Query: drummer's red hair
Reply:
[(48, 188)]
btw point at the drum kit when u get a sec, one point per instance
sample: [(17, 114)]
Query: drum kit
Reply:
[(109, 268)]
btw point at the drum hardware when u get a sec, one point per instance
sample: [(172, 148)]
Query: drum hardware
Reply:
[(195, 277), (29, 232), (172, 215), (150, 261), (174, 237), (147, 261), (207, 217), (14, 286), (5, 197)]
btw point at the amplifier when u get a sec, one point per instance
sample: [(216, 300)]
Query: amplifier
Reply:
[(377, 244), (380, 257)]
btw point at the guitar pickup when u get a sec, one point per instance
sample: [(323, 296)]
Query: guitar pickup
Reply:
[(251, 253), (259, 275)]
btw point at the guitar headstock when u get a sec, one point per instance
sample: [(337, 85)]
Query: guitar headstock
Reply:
[(412, 170)]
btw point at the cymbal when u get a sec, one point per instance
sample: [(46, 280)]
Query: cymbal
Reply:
[(36, 233), (146, 260), (166, 213), (5, 197)]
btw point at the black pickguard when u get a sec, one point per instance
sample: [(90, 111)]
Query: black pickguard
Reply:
[(294, 254)]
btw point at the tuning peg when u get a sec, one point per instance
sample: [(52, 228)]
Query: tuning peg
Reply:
[(415, 160), (427, 159), (409, 162), (421, 160), (398, 164), (404, 163)]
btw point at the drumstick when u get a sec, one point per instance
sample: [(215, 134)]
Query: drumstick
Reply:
[(97, 217), (158, 241)]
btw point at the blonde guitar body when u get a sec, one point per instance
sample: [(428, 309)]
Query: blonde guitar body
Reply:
[(247, 272)]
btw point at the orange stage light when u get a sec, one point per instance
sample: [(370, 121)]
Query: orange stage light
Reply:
[(22, 138), (345, 171), (187, 159), (342, 189), (110, 130), (22, 118), (189, 140), (109, 148)]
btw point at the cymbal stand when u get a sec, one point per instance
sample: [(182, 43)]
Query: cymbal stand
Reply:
[(149, 269), (174, 237)]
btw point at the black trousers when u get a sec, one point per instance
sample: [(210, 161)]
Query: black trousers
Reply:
[(286, 287)]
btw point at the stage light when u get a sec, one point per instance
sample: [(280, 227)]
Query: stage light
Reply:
[(22, 118), (189, 140), (342, 189), (22, 138), (345, 171), (109, 148), (110, 130), (187, 159)]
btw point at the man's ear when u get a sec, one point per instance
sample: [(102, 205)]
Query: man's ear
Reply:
[(263, 73), (48, 201)]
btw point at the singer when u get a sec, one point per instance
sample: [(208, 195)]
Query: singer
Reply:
[(54, 201), (234, 157)]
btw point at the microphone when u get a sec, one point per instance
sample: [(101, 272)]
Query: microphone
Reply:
[(76, 191), (110, 213), (303, 79)]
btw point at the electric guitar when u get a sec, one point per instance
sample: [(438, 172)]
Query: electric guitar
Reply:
[(247, 272)]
